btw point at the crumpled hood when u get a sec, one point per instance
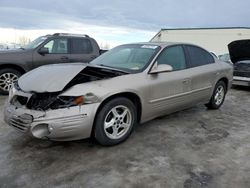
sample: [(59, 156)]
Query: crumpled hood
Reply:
[(239, 50), (49, 78), (58, 77)]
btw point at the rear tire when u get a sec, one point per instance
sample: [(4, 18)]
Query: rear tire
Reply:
[(218, 96), (115, 121), (7, 77)]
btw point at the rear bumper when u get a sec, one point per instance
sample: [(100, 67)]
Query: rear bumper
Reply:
[(62, 124), (243, 81)]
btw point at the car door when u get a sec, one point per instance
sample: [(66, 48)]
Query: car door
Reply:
[(204, 72), (170, 91), (82, 50), (58, 52)]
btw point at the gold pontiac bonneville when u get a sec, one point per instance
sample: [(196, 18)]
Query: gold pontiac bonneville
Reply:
[(129, 84)]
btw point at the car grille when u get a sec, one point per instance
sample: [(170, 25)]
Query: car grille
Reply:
[(242, 73), (242, 69), (21, 122), (20, 125)]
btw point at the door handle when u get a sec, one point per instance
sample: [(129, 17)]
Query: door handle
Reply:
[(217, 73), (64, 58), (93, 57), (186, 81)]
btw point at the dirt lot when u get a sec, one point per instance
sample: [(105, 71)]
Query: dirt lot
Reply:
[(193, 148)]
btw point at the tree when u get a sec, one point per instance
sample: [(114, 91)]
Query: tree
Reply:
[(22, 40), (105, 46)]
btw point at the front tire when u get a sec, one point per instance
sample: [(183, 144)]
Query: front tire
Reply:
[(218, 96), (115, 121), (7, 77)]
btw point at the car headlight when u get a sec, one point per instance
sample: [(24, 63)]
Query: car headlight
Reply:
[(68, 101)]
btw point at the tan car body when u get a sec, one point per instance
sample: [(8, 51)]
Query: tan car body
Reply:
[(165, 92), (155, 94)]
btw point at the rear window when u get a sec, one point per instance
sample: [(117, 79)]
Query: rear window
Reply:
[(81, 46), (198, 56)]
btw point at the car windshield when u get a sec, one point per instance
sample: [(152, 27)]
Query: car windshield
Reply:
[(35, 42), (130, 58)]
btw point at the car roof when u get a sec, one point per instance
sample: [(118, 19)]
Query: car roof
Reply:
[(164, 44), (67, 35)]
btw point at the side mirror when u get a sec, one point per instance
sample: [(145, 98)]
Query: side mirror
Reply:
[(43, 51), (161, 68)]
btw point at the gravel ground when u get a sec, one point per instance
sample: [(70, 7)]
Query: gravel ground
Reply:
[(191, 149)]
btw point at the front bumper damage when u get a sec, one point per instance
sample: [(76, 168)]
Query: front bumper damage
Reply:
[(62, 124), (52, 101)]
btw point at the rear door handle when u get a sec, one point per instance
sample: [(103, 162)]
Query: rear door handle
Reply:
[(93, 57), (64, 58)]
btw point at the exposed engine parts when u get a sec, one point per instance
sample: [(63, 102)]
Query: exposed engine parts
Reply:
[(53, 100)]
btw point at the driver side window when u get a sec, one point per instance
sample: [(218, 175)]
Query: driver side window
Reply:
[(57, 46), (173, 56)]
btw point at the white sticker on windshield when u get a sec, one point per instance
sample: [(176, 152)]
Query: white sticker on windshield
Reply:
[(149, 46)]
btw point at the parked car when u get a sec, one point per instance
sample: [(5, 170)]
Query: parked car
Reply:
[(49, 49), (225, 57), (240, 55), (129, 84)]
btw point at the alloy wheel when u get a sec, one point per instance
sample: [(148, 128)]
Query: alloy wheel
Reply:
[(219, 95), (6, 80), (117, 122)]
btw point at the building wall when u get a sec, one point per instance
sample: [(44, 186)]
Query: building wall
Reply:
[(214, 40)]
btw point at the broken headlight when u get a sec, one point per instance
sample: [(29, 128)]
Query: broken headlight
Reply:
[(45, 101), (68, 101)]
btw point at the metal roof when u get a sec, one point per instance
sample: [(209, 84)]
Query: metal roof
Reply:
[(205, 28), (197, 28)]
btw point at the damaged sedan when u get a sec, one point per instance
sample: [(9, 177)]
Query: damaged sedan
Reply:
[(105, 99), (239, 51)]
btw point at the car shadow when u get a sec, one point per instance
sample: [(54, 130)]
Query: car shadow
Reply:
[(244, 88)]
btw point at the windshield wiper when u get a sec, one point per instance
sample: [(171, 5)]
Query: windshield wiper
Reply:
[(105, 66), (112, 68)]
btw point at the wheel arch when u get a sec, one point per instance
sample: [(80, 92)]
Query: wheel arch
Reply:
[(12, 66), (133, 97), (225, 80)]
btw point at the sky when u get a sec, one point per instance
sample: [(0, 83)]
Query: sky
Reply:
[(116, 21)]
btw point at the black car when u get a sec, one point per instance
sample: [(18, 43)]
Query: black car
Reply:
[(240, 56), (49, 49)]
